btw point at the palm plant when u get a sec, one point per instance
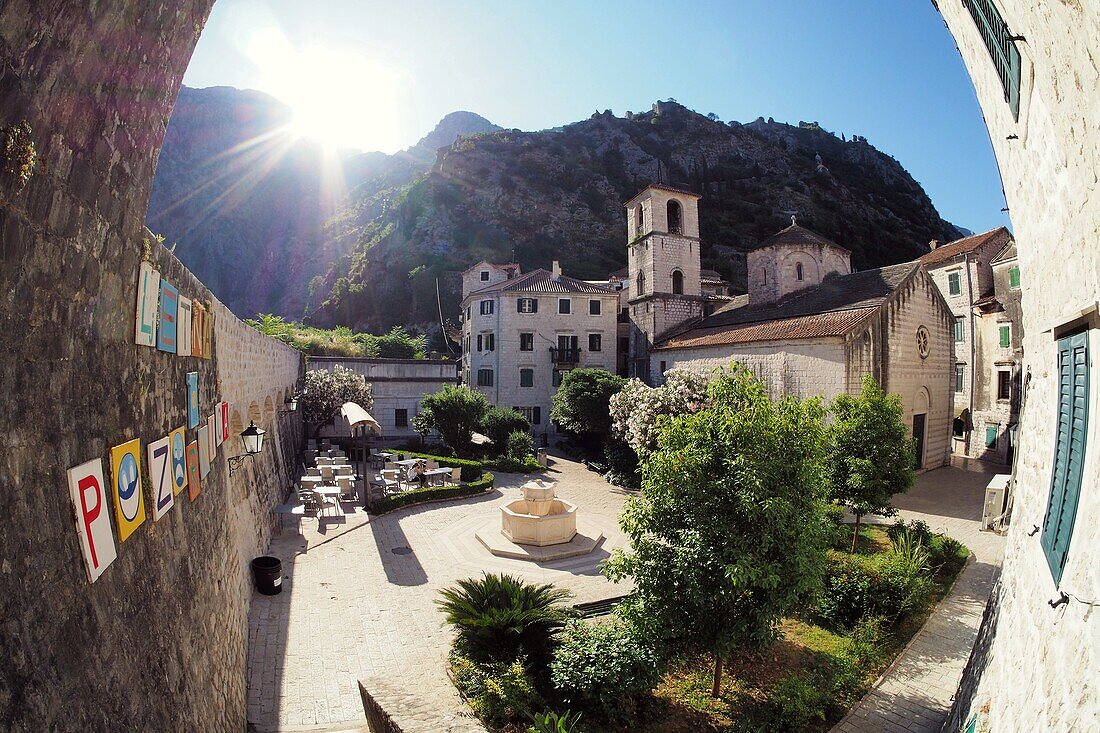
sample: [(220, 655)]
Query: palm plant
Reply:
[(912, 553), (550, 722), (500, 618)]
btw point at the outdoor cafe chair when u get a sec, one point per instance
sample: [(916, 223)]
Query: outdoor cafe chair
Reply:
[(324, 501), (313, 471), (456, 476), (328, 475), (347, 490)]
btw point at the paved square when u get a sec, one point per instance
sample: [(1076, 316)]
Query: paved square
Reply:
[(358, 601)]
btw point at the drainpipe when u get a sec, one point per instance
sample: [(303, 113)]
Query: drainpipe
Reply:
[(498, 344), (973, 347)]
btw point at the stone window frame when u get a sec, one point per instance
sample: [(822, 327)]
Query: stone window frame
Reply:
[(1014, 277), (484, 276), (677, 290), (596, 345), (485, 307), (398, 422), (1004, 379), (954, 282), (568, 303), (960, 377), (528, 372), (527, 306), (485, 377), (959, 329), (595, 307), (530, 340), (799, 272)]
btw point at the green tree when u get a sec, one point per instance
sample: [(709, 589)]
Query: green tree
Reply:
[(325, 392), (455, 412), (582, 402), (727, 534), (869, 453), (501, 618), (498, 423)]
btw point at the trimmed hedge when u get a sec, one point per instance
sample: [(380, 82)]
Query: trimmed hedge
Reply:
[(471, 470), (433, 493)]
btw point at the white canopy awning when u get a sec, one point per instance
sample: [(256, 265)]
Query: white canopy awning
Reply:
[(357, 417)]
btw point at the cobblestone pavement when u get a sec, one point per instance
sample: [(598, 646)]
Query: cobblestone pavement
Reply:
[(914, 694), (357, 602)]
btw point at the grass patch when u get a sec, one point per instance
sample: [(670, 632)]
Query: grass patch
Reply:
[(804, 681)]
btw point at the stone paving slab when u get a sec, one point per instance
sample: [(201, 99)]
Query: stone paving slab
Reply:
[(914, 694), (354, 609)]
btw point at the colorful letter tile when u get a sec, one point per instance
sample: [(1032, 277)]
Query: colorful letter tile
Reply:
[(128, 496), (93, 525), (148, 297)]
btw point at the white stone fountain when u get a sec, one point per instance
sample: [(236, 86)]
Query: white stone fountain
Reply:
[(539, 518), (539, 527)]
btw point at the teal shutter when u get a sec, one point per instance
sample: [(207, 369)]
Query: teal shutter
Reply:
[(1006, 336), (991, 436), (1069, 450), (1014, 277)]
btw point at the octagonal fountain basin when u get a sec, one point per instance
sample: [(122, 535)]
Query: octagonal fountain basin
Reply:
[(539, 518)]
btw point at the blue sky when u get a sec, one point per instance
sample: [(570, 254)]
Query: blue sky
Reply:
[(380, 74)]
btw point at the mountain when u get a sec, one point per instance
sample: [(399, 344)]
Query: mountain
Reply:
[(558, 194), (247, 205)]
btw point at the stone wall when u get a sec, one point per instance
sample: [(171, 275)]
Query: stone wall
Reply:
[(925, 384), (804, 368), (158, 642), (1035, 674), (773, 271)]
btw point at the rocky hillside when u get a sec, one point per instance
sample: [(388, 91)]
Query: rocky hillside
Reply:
[(247, 206), (558, 194), (271, 225)]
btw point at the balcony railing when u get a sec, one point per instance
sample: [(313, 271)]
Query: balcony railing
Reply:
[(562, 357)]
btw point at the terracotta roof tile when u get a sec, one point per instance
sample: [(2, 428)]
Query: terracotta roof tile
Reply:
[(966, 244), (821, 325), (796, 234), (543, 281), (662, 187)]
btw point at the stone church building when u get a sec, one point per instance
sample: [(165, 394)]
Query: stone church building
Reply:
[(808, 325)]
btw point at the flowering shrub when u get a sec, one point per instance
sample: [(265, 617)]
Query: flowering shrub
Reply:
[(326, 391), (635, 410)]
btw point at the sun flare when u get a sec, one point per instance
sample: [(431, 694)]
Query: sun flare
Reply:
[(341, 98)]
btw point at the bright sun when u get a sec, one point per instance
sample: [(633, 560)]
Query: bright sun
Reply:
[(341, 98)]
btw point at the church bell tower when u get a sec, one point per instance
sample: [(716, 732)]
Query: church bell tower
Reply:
[(663, 256)]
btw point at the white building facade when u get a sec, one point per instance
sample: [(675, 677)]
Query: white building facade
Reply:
[(398, 386), (1034, 69), (522, 332), (963, 272)]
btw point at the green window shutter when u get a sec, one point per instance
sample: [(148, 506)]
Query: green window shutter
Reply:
[(1014, 277), (990, 436), (1069, 451), (954, 283), (959, 331), (1006, 337)]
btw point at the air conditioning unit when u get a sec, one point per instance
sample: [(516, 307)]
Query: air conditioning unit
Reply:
[(994, 506)]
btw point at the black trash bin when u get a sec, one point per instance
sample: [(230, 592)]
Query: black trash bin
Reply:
[(267, 573)]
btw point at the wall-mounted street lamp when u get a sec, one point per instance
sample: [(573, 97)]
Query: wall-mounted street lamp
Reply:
[(253, 438), (291, 404)]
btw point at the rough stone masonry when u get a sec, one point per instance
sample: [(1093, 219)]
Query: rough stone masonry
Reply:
[(158, 642)]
